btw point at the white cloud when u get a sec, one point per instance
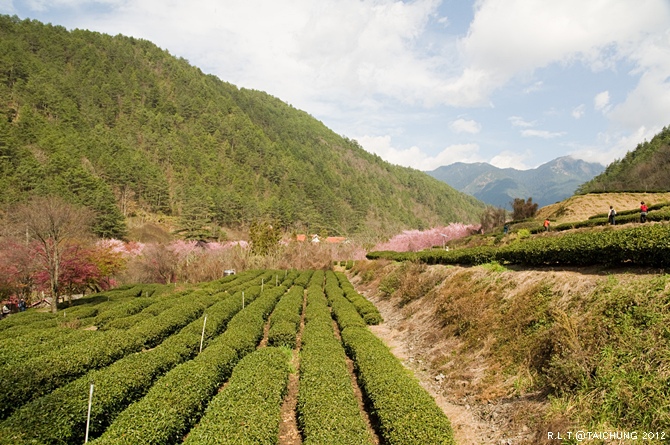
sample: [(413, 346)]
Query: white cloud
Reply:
[(610, 147), (578, 112), (465, 126), (541, 134), (520, 122), (537, 86), (601, 101), (415, 157), (509, 159), (512, 37), (648, 104)]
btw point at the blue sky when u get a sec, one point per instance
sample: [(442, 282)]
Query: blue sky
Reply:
[(425, 83)]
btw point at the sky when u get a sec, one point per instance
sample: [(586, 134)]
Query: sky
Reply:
[(424, 83)]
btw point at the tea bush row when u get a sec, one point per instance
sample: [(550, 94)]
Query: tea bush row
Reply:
[(637, 246), (327, 410), (177, 400), (405, 412), (248, 410), (365, 307), (40, 375), (285, 320), (116, 386)]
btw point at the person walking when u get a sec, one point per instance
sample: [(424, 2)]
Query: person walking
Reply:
[(546, 225), (643, 212), (611, 215)]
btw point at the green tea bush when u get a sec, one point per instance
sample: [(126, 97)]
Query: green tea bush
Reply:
[(42, 374), (365, 307), (248, 410), (285, 319), (177, 400), (116, 386), (328, 411), (405, 412)]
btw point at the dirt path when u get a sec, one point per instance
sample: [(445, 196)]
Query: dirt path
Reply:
[(288, 428), (410, 335)]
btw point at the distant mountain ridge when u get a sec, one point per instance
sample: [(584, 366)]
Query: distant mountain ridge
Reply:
[(546, 184)]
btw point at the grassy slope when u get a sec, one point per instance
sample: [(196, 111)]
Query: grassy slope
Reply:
[(535, 350), (581, 207)]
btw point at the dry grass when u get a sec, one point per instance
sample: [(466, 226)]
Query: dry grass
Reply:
[(503, 340), (581, 207)]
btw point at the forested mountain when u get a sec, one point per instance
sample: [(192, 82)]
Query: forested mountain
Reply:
[(546, 184), (645, 169), (123, 127)]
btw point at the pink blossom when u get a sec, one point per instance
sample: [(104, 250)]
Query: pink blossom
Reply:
[(415, 240)]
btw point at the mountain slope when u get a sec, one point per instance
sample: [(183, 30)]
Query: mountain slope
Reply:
[(647, 168), (122, 126), (546, 184)]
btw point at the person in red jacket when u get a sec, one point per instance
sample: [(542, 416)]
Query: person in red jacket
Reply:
[(643, 212)]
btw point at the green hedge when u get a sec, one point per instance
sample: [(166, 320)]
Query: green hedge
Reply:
[(365, 307), (40, 375), (177, 400), (328, 412), (248, 410), (645, 245), (116, 386), (285, 319), (405, 413)]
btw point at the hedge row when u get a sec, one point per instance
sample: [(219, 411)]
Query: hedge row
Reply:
[(24, 326), (365, 307), (40, 375), (248, 410), (116, 386), (285, 319), (328, 412), (639, 246), (177, 400), (336, 300), (406, 414), (38, 343)]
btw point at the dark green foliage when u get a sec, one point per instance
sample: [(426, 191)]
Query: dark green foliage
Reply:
[(247, 411), (178, 399), (285, 319), (116, 386), (328, 412), (405, 412), (365, 307), (647, 245), (121, 126), (645, 169), (39, 375), (522, 209)]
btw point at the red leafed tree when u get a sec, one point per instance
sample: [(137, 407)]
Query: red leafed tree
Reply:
[(18, 265), (52, 224)]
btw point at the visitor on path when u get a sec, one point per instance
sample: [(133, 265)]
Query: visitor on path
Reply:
[(546, 225), (643, 212), (611, 215), (5, 311)]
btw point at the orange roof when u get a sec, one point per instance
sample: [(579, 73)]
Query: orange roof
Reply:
[(335, 239)]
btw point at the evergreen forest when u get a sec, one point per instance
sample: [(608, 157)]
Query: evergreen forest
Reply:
[(645, 169), (122, 127)]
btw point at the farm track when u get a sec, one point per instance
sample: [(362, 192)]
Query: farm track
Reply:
[(289, 434)]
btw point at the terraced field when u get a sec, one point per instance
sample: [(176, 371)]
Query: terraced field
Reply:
[(212, 365)]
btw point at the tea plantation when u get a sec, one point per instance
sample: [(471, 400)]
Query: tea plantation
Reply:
[(210, 365)]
